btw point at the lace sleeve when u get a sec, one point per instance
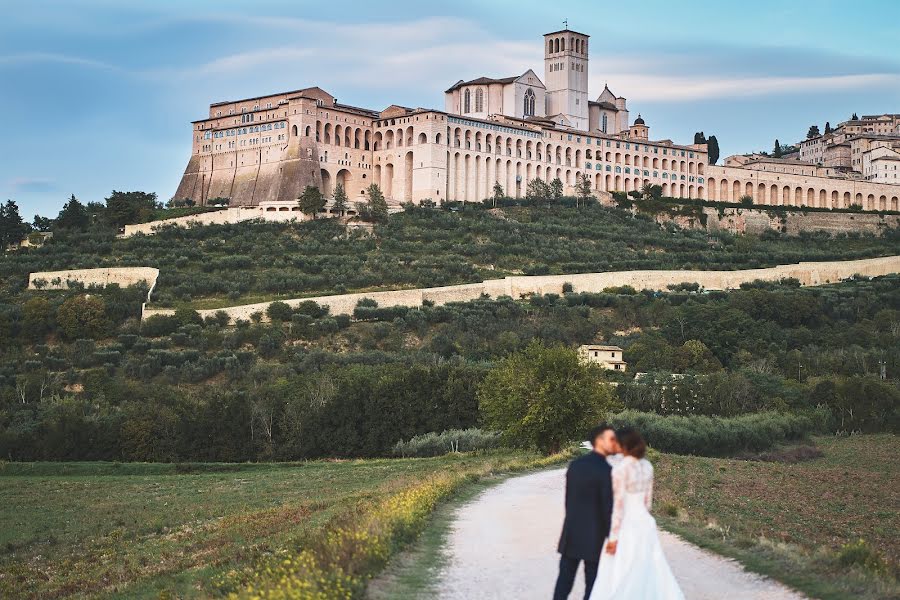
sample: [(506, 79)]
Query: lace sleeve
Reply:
[(619, 485), (648, 495)]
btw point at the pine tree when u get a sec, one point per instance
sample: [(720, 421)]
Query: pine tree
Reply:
[(311, 201), (340, 199), (74, 215), (813, 132), (12, 227), (777, 150), (828, 128)]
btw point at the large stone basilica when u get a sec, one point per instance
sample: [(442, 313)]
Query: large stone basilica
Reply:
[(265, 150)]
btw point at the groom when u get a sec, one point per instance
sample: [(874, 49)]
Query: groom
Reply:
[(589, 503)]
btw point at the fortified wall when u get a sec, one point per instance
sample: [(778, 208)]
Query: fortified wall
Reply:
[(807, 273)]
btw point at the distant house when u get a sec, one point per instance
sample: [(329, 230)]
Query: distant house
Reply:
[(608, 357)]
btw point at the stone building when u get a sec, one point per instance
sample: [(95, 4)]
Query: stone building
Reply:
[(508, 131), (608, 357)]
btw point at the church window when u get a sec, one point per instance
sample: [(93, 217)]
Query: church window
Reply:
[(604, 125), (467, 102), (529, 103), (479, 100)]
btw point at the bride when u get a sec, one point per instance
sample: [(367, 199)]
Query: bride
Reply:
[(634, 567)]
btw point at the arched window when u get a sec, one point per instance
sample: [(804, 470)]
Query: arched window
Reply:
[(529, 103), (467, 102), (603, 127), (479, 100)]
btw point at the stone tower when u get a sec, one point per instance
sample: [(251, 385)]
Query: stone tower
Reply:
[(566, 76)]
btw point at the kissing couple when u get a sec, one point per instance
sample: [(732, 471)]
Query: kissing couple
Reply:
[(608, 525)]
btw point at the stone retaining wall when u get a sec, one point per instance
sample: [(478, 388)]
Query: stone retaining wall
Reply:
[(808, 273), (123, 276)]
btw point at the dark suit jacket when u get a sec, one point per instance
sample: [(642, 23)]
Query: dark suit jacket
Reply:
[(589, 503)]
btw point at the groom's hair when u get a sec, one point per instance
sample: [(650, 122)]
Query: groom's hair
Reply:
[(597, 431)]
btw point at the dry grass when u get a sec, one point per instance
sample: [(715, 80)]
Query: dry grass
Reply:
[(796, 521)]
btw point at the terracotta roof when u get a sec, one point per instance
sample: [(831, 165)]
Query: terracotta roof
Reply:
[(481, 81), (566, 31)]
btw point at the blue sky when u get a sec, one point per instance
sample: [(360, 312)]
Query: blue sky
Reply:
[(99, 94)]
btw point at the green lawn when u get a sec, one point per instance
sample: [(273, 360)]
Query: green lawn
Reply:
[(136, 530)]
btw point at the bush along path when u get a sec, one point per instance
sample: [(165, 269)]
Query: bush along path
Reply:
[(502, 544)]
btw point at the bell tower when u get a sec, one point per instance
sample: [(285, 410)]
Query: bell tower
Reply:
[(566, 76)]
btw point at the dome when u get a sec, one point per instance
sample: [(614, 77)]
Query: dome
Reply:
[(639, 120)]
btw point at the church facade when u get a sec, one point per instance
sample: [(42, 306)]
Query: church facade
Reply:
[(508, 131)]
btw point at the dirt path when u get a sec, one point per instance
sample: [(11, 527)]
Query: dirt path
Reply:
[(503, 545)]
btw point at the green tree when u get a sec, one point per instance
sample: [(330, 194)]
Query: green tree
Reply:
[(813, 132), (83, 317), (700, 138), (499, 194), (544, 396), (854, 117), (828, 128), (583, 190), (556, 189), (42, 223), (537, 189), (712, 149), (696, 357), (279, 311), (37, 317), (776, 151), (746, 200), (377, 206), (123, 208), (73, 215), (12, 228), (311, 201), (340, 199)]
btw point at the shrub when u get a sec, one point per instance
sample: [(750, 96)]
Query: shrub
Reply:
[(159, 325), (714, 436), (279, 311), (453, 440)]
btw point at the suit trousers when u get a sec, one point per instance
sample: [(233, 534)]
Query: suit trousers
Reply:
[(568, 566)]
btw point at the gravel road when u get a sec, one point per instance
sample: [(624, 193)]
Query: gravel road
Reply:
[(503, 545)]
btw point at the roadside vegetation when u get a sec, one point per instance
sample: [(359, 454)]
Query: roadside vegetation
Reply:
[(298, 530)]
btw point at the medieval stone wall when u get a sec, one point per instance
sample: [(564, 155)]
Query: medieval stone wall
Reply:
[(808, 273), (759, 220)]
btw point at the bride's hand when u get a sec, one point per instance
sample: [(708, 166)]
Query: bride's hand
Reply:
[(611, 547)]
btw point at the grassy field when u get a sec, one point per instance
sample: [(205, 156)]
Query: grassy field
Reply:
[(142, 530), (801, 523)]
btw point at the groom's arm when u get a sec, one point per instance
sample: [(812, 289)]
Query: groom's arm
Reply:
[(606, 499)]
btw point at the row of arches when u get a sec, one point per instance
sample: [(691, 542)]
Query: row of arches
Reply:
[(471, 177), (337, 135), (772, 194)]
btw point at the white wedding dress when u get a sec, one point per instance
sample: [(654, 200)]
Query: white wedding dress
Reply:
[(638, 570)]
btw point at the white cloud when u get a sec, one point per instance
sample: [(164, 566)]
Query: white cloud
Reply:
[(679, 89), (33, 57)]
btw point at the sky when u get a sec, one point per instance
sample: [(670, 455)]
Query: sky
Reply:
[(98, 95)]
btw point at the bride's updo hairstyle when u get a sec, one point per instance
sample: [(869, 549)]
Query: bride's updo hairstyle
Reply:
[(632, 442)]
